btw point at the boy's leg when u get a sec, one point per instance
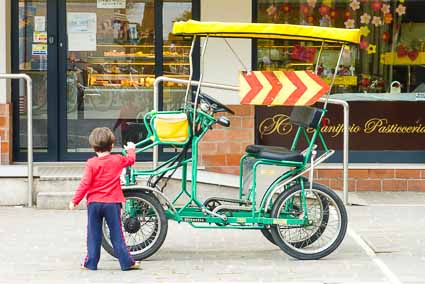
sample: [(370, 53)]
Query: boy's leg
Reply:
[(113, 219), (94, 235)]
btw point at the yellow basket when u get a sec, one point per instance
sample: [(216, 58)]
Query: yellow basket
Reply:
[(172, 127)]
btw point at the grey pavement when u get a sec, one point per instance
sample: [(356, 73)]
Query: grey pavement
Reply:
[(47, 246)]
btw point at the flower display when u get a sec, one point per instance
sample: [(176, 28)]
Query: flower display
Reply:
[(324, 10), (376, 21), (401, 10), (386, 36), (271, 11), (364, 43), (388, 18), (305, 9), (312, 3), (364, 31), (371, 49), (385, 9), (350, 24), (347, 15), (365, 18), (355, 5), (333, 13), (286, 8), (376, 5)]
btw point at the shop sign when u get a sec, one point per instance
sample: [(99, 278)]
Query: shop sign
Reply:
[(40, 37), (81, 31), (111, 4), (374, 126), (39, 49), (39, 23)]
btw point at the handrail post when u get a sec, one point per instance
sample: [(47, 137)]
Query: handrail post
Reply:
[(29, 130)]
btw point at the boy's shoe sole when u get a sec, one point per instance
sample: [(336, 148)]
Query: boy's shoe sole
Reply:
[(135, 266)]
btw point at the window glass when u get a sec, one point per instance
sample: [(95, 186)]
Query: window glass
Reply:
[(390, 57)]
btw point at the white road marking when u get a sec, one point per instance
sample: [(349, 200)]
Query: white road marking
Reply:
[(392, 278)]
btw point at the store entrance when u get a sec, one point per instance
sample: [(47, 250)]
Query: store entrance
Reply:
[(103, 57)]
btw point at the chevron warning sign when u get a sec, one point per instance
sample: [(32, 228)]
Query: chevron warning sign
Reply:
[(287, 88)]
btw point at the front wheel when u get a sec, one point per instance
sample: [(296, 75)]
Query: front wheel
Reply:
[(326, 227), (144, 225)]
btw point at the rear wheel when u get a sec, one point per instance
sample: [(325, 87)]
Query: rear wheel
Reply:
[(327, 222), (144, 225)]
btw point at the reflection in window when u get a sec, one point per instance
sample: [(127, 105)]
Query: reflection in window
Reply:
[(392, 46)]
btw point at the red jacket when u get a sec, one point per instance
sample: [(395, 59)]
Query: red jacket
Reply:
[(101, 180)]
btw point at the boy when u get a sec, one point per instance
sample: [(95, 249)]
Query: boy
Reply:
[(102, 188)]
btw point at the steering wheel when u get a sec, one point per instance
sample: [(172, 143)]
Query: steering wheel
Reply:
[(214, 104)]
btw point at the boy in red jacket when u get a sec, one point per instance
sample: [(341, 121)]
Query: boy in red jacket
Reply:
[(102, 188)]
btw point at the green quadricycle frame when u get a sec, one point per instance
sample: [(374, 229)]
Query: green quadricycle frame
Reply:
[(305, 219)]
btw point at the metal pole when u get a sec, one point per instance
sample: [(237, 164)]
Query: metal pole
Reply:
[(29, 130), (342, 103), (345, 150)]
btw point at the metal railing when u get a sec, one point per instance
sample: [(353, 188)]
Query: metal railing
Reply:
[(28, 81), (342, 103)]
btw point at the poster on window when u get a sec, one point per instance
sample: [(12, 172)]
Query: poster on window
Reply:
[(81, 31), (111, 4)]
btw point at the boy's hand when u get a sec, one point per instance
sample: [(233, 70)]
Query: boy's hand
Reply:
[(71, 205), (130, 145)]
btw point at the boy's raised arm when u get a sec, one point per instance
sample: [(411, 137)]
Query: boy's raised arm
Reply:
[(84, 186)]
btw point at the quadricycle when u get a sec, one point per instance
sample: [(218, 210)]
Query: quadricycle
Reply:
[(305, 219)]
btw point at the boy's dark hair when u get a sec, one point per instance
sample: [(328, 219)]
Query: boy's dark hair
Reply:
[(101, 139)]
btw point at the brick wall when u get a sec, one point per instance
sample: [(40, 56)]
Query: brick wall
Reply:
[(222, 148), (6, 133), (374, 179)]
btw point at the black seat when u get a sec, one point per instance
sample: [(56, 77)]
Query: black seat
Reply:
[(274, 153)]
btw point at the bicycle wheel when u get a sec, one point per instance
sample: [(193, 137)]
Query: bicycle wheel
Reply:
[(145, 230), (326, 230)]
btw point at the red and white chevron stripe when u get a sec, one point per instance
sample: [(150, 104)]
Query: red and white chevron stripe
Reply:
[(288, 88)]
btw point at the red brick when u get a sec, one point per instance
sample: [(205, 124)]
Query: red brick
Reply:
[(242, 110), (236, 122), (4, 122), (337, 184), (324, 181), (5, 147), (387, 173), (240, 135), (229, 148), (416, 185), (233, 159), (368, 185), (224, 170), (248, 122), (329, 173), (215, 135), (408, 174), (358, 173), (214, 160), (208, 148), (3, 135), (394, 185)]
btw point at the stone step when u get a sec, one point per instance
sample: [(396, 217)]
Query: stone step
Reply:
[(56, 193)]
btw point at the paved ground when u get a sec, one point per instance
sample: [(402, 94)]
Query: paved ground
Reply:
[(385, 244)]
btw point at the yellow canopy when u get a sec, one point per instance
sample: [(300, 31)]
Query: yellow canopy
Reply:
[(266, 31)]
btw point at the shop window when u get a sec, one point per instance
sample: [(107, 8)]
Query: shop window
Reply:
[(390, 57)]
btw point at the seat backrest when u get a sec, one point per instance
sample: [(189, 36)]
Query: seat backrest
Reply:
[(307, 117)]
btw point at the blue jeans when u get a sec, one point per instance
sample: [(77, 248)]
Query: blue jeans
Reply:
[(96, 212)]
